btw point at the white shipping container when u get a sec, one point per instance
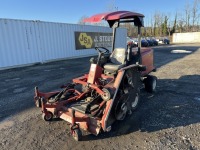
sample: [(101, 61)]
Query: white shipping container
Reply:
[(26, 42), (189, 37), (18, 43)]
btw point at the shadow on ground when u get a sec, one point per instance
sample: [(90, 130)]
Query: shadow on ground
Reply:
[(170, 107)]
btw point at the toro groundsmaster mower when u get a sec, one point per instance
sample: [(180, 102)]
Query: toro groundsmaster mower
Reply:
[(110, 90)]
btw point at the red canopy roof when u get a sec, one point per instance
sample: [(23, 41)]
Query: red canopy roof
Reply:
[(111, 16)]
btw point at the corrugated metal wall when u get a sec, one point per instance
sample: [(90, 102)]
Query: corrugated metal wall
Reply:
[(26, 42), (18, 43), (190, 37)]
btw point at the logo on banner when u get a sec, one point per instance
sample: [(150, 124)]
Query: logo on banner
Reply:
[(85, 40)]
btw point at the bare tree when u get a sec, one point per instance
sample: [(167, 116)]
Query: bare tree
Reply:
[(174, 28), (155, 24), (159, 24), (187, 16), (195, 14), (81, 20), (158, 21), (152, 26), (181, 22)]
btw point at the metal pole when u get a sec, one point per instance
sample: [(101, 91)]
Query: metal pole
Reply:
[(114, 34), (115, 26), (139, 45)]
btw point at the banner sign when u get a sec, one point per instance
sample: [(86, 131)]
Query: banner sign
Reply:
[(88, 40)]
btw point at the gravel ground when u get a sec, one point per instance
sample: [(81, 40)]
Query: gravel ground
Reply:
[(167, 119)]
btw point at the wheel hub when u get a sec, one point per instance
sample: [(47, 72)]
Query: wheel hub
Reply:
[(121, 108), (122, 112), (154, 84), (135, 102)]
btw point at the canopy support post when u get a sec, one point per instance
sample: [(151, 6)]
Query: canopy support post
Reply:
[(139, 45), (115, 26)]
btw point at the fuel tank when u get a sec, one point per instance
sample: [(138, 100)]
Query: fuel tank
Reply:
[(147, 59)]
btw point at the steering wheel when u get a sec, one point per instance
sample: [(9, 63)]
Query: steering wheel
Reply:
[(102, 50)]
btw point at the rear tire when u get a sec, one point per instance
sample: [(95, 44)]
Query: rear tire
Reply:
[(130, 81), (150, 83)]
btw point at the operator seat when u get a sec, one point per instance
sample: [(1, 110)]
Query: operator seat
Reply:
[(117, 61)]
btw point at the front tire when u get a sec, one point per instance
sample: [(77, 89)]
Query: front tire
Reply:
[(48, 116), (150, 83), (38, 103), (77, 134)]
